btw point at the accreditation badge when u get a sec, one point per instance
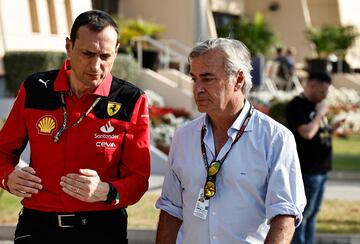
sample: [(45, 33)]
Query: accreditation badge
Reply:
[(202, 206)]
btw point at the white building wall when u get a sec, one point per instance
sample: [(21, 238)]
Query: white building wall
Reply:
[(178, 16), (288, 22), (16, 30), (349, 15)]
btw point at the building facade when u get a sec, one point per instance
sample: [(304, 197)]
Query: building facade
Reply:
[(27, 25), (43, 24)]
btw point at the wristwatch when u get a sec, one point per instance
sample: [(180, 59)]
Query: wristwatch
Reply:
[(113, 197)]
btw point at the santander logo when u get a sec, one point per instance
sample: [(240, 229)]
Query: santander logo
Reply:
[(107, 128)]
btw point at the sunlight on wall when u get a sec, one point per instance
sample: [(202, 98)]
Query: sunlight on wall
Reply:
[(349, 12), (349, 15)]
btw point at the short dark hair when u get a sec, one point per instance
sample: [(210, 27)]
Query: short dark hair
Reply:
[(279, 50), (95, 20), (321, 77)]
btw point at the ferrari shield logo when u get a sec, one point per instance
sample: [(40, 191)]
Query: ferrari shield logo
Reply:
[(113, 108)]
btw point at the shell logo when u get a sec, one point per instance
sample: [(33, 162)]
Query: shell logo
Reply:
[(46, 124)]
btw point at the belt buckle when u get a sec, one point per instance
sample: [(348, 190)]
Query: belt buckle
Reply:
[(60, 224)]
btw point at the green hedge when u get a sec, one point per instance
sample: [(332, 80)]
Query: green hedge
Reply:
[(278, 111), (126, 68), (20, 64)]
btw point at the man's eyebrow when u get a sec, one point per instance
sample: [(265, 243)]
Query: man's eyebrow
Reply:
[(206, 74), (87, 51), (202, 75), (92, 52)]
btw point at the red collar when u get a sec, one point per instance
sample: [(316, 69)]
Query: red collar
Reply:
[(61, 83)]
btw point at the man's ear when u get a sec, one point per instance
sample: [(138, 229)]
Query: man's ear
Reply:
[(68, 46), (239, 81)]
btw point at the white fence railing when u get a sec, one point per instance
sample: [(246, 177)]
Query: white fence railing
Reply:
[(166, 52)]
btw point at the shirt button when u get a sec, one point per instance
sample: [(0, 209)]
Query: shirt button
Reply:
[(214, 237), (213, 213)]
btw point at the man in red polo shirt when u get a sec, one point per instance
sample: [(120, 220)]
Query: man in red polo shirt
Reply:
[(89, 139)]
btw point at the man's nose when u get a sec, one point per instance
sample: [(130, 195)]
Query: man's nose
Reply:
[(95, 63), (198, 87)]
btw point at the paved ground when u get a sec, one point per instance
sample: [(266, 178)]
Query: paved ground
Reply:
[(343, 190)]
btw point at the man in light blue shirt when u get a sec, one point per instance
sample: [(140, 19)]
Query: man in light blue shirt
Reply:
[(233, 174)]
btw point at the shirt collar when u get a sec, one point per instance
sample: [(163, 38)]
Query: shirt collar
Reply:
[(61, 83), (235, 127), (241, 118)]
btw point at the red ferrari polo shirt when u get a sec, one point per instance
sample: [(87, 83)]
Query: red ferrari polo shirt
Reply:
[(113, 139)]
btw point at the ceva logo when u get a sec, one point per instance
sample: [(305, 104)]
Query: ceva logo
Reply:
[(105, 144)]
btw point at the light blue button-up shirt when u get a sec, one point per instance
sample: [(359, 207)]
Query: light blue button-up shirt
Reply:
[(259, 180)]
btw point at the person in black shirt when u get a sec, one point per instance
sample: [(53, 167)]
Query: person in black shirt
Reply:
[(306, 118)]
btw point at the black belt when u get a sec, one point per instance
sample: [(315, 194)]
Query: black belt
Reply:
[(77, 219)]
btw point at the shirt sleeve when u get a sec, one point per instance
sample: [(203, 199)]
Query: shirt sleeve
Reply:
[(285, 192), (135, 164), (171, 196), (13, 137), (295, 115)]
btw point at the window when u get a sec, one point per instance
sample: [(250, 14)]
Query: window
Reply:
[(222, 19), (34, 16), (52, 17), (109, 6), (225, 24)]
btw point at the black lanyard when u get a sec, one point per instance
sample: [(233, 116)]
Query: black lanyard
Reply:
[(83, 116), (238, 135)]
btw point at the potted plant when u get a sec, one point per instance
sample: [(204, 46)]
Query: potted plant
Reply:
[(322, 41), (132, 28), (329, 40), (257, 35), (344, 39)]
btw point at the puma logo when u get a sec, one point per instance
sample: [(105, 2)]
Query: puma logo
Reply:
[(44, 82)]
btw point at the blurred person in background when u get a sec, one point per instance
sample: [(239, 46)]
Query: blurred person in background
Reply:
[(306, 118), (286, 61)]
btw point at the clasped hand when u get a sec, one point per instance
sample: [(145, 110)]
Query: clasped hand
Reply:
[(85, 186), (23, 182)]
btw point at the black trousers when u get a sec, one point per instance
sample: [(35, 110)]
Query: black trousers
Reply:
[(100, 227)]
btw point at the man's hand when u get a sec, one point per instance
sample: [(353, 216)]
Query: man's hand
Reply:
[(23, 182), (309, 130), (85, 186), (334, 126), (322, 108)]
